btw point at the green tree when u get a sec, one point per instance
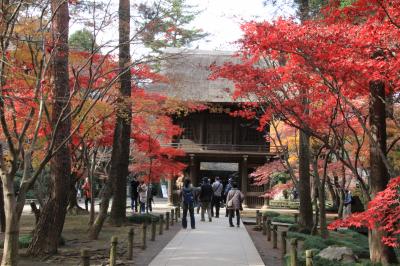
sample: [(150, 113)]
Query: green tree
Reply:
[(167, 24), (82, 40)]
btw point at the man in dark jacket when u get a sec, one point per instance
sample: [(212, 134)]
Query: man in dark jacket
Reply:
[(134, 193), (206, 193)]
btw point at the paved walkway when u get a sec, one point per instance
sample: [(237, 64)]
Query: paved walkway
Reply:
[(210, 244)]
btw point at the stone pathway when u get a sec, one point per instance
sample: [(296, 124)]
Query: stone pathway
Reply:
[(210, 244)]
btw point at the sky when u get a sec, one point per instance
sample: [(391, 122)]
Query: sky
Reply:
[(220, 18)]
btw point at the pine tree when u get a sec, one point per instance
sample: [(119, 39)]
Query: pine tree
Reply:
[(167, 24)]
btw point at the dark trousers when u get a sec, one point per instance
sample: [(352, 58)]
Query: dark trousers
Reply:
[(149, 207), (142, 207), (187, 207), (231, 214), (87, 200), (134, 203), (217, 203)]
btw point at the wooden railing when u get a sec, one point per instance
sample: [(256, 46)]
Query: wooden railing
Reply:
[(228, 147)]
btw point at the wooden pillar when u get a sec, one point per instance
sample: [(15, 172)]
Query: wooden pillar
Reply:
[(170, 192), (202, 129), (266, 187), (193, 169), (244, 177)]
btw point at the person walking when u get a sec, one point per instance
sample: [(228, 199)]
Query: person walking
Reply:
[(87, 192), (228, 187), (187, 195), (134, 194), (347, 204), (142, 190), (234, 201), (150, 200), (206, 193), (217, 197)]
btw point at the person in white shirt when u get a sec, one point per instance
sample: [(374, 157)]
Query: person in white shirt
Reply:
[(142, 190)]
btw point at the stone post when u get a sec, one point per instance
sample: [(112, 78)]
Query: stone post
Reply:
[(153, 230), (131, 235), (293, 252), (161, 221), (85, 257), (176, 214), (113, 251), (309, 258), (166, 221), (269, 230), (283, 243), (172, 216), (144, 236), (275, 236)]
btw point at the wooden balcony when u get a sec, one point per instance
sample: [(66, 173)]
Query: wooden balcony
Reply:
[(191, 147)]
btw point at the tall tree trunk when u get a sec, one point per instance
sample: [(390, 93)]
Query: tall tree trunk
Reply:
[(304, 187), (95, 228), (332, 192), (10, 251), (47, 233), (379, 177), (2, 212), (122, 133)]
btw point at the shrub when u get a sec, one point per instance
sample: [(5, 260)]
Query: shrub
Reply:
[(271, 214), (23, 241), (284, 219), (143, 218), (347, 238)]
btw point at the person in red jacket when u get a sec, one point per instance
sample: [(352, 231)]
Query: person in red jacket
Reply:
[(87, 192)]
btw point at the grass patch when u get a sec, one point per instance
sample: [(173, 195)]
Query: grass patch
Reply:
[(287, 219), (143, 218)]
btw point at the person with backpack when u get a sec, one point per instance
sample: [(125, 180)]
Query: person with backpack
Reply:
[(234, 201), (187, 195), (228, 187), (217, 197), (206, 193)]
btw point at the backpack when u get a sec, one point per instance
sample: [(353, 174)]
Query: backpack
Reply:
[(188, 197)]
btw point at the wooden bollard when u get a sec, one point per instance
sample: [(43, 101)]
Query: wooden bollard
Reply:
[(296, 218), (269, 230), (130, 243), (166, 220), (258, 218), (85, 257), (172, 216), (161, 221), (113, 251), (176, 214), (309, 257), (153, 230), (293, 252), (264, 227), (275, 236), (144, 236), (283, 242)]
